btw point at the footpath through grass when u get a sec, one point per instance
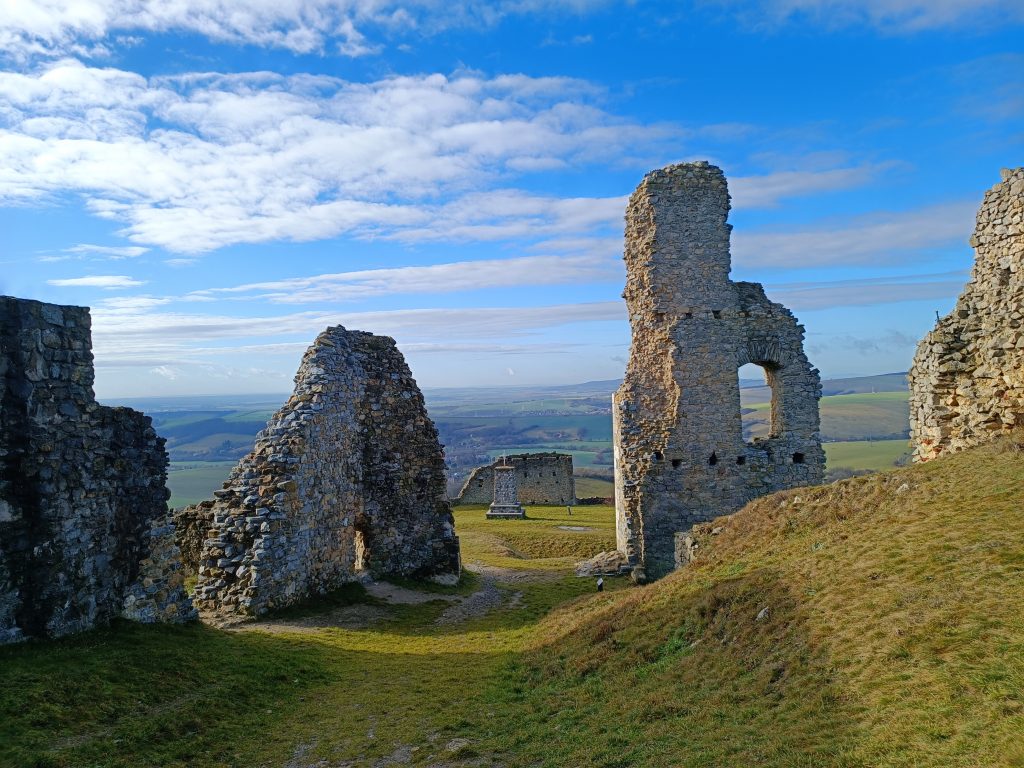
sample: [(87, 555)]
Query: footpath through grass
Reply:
[(877, 621)]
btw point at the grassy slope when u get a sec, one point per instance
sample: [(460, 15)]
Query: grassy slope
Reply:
[(893, 636), (193, 481), (865, 454)]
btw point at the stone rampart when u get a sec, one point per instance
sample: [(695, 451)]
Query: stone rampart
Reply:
[(541, 478), (967, 380), (82, 488), (346, 480), (680, 456)]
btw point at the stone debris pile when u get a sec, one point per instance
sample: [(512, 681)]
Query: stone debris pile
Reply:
[(967, 379), (346, 481), (680, 455)]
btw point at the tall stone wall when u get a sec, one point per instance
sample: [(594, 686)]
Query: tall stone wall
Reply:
[(542, 478), (346, 479), (82, 487), (680, 456), (967, 380)]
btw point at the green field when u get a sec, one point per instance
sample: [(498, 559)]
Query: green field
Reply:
[(594, 487), (193, 481), (865, 454)]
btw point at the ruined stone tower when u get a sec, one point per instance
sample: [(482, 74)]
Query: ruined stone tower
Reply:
[(680, 456), (967, 380), (346, 480)]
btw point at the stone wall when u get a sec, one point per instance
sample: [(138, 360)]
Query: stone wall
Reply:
[(81, 486), (347, 479), (680, 456), (542, 478), (967, 380)]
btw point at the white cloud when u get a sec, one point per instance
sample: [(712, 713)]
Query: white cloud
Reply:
[(97, 281), (769, 190), (112, 251), (196, 162), (34, 27), (815, 295), (894, 16), (436, 278), (876, 238)]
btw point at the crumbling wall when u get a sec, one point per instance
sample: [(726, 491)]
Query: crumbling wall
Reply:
[(346, 479), (81, 486), (542, 478), (967, 379), (680, 457)]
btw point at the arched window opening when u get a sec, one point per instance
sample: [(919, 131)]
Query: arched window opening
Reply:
[(714, 459), (761, 400)]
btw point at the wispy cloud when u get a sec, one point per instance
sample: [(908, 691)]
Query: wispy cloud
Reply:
[(891, 16), (870, 239), (348, 27), (97, 281), (436, 278), (110, 251), (816, 295)]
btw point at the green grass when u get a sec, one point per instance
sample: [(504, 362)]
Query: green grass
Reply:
[(848, 417), (865, 454), (193, 481), (589, 487), (891, 633)]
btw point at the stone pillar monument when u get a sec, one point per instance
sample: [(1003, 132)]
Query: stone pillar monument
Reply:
[(506, 504)]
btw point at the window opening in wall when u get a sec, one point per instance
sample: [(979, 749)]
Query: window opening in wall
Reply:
[(798, 458), (760, 383), (741, 460), (688, 315), (657, 456), (714, 459), (677, 463), (716, 313), (362, 543)]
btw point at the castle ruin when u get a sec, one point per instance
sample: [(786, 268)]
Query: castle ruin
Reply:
[(541, 478), (680, 456), (967, 379), (84, 529), (347, 480)]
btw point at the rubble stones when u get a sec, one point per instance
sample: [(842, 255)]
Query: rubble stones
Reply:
[(542, 478), (967, 379), (347, 479), (83, 494), (680, 457)]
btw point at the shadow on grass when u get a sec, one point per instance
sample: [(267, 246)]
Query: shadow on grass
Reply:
[(694, 680)]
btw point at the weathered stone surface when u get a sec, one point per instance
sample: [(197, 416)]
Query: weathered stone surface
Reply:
[(347, 479), (506, 496), (967, 380), (82, 487), (542, 478), (680, 457)]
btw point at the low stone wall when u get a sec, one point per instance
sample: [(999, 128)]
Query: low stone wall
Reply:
[(541, 478), (967, 379), (347, 479), (81, 486)]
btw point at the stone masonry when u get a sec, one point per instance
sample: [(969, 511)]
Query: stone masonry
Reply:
[(506, 504), (346, 480), (542, 478), (83, 503), (967, 379), (680, 456)]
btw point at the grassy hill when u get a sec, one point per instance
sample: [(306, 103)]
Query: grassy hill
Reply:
[(877, 621)]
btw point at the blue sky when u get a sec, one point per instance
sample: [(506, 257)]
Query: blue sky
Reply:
[(221, 181)]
